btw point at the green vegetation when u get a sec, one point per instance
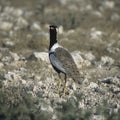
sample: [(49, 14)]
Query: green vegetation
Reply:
[(16, 104), (80, 20), (71, 110)]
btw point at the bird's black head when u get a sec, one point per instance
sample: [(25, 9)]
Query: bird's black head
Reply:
[(53, 28), (53, 35), (53, 31)]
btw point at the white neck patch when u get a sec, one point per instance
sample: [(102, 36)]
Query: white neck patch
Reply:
[(56, 45)]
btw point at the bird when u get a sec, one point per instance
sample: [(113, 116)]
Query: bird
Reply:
[(61, 60)]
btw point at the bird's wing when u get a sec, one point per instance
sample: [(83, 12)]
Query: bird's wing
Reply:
[(56, 63), (68, 64)]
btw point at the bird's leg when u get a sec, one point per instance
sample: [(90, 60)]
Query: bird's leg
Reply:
[(64, 89), (59, 83)]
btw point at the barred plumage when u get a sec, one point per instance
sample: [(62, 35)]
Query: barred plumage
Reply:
[(61, 59)]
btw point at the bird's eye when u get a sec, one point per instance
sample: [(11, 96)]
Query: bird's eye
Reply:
[(52, 28)]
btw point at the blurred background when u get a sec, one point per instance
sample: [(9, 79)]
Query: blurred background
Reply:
[(85, 25), (90, 29)]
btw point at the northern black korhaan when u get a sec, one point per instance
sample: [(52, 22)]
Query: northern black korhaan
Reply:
[(62, 60)]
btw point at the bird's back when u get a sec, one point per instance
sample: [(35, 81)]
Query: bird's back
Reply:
[(68, 64)]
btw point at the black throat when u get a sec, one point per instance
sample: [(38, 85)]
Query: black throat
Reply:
[(53, 36)]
